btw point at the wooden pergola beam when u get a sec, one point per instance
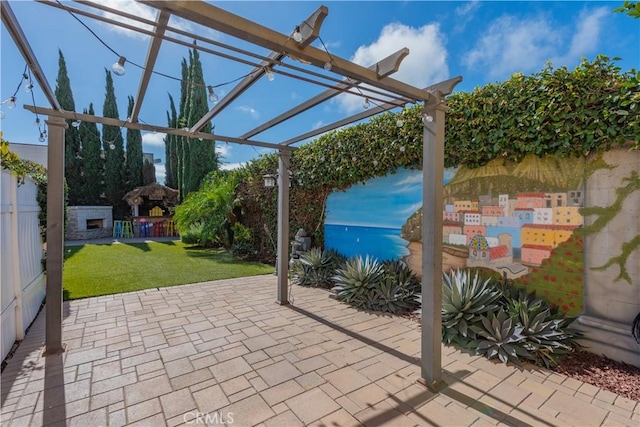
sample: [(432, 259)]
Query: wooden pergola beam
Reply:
[(219, 19), (143, 126), (150, 62), (320, 98)]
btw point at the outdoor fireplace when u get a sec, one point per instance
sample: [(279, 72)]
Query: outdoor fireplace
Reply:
[(93, 224), (89, 222)]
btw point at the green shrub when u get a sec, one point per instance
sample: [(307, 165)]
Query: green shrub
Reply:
[(499, 335), (193, 235), (316, 268), (242, 246)]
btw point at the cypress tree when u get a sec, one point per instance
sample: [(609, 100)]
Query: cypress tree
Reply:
[(113, 146), (170, 141), (148, 172), (202, 155), (181, 142), (93, 163), (134, 154), (72, 149)]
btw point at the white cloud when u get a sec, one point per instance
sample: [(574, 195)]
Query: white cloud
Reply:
[(154, 139), (513, 44), (250, 110), (464, 14), (425, 65), (223, 150), (161, 172), (585, 39), (132, 7), (317, 125), (231, 166)]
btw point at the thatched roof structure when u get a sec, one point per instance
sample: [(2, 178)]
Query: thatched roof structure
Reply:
[(153, 191)]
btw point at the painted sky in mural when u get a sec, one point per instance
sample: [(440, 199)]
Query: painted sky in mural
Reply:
[(367, 218)]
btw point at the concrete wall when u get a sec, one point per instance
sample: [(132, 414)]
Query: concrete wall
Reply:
[(611, 305)]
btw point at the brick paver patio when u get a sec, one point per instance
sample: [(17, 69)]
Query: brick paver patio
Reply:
[(224, 353)]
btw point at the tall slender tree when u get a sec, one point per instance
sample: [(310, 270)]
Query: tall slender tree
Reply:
[(93, 162), (182, 142), (113, 146), (72, 149), (202, 155), (134, 154), (170, 141)]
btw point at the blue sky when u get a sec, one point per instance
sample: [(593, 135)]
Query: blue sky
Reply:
[(479, 40)]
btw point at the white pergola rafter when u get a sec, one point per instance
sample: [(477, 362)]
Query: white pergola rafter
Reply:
[(374, 79)]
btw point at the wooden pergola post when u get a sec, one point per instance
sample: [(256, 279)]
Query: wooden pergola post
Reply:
[(284, 157), (55, 234), (433, 176)]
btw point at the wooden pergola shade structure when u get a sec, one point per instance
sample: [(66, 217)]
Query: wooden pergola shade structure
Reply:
[(344, 76)]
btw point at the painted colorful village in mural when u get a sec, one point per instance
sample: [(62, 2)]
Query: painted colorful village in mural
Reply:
[(518, 220)]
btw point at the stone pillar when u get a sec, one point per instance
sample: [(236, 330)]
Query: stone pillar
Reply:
[(611, 303)]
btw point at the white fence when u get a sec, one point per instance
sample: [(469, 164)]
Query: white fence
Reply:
[(22, 281)]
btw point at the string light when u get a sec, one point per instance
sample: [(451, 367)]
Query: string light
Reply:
[(37, 122), (400, 123), (426, 118), (11, 102), (366, 104), (76, 123), (43, 136), (118, 67), (213, 97), (327, 66), (269, 73), (297, 35)]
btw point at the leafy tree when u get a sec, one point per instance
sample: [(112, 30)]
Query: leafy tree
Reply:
[(93, 162), (72, 153), (631, 8), (113, 146), (211, 210), (134, 154)]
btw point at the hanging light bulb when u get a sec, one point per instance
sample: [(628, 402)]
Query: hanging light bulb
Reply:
[(327, 66), (400, 123), (112, 146), (213, 97), (1, 114), (11, 102), (269, 73), (427, 118), (297, 35), (76, 123), (29, 86), (366, 104), (42, 136), (118, 68), (37, 122)]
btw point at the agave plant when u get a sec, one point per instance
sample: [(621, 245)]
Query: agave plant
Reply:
[(547, 337), (397, 289), (315, 268), (357, 279), (464, 300), (499, 335)]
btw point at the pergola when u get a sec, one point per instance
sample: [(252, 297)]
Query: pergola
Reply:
[(343, 76)]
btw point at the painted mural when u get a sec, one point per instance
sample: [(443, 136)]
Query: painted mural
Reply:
[(518, 220)]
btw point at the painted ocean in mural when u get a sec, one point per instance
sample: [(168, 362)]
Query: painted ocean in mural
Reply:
[(368, 218)]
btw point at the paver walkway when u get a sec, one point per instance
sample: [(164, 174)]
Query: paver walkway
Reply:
[(225, 353)]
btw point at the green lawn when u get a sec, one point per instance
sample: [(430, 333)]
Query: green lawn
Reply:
[(92, 270)]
